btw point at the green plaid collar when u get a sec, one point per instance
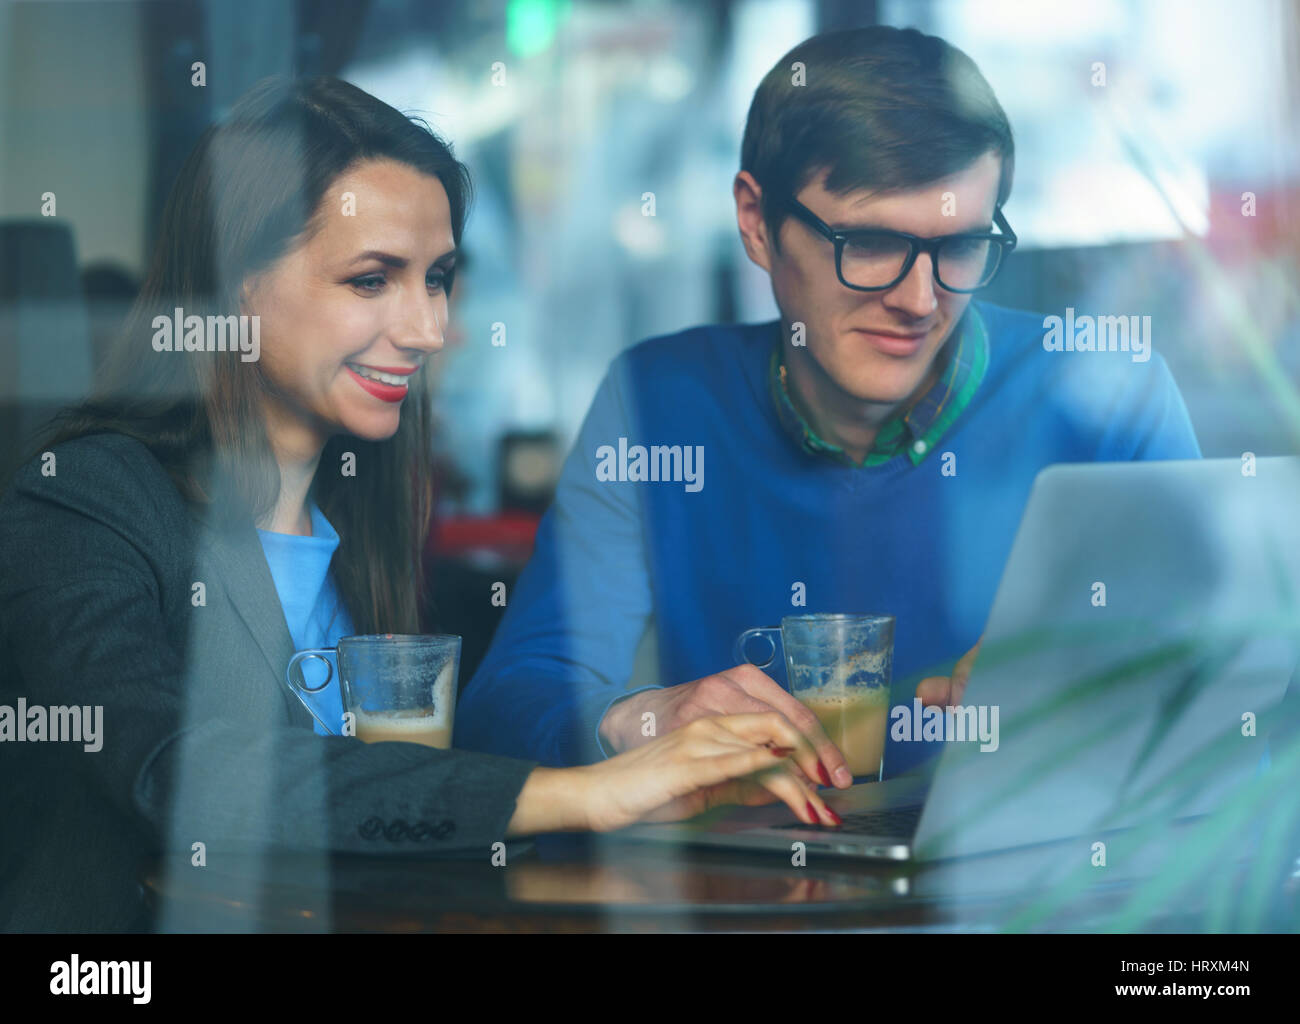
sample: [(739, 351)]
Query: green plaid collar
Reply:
[(916, 432)]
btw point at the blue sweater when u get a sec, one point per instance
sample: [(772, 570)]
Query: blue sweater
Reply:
[(705, 562)]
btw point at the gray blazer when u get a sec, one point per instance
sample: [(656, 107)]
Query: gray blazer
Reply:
[(202, 741)]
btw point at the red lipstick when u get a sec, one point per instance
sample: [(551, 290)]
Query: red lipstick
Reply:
[(384, 392)]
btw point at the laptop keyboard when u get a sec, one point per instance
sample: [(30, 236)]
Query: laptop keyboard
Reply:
[(901, 821)]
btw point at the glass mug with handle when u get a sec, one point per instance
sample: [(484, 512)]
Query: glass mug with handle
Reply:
[(839, 667), (396, 687)]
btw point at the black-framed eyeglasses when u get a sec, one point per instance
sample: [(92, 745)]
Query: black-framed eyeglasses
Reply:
[(874, 259)]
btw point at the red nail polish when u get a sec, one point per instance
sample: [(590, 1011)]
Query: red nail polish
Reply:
[(812, 812), (835, 817), (824, 774), (782, 751)]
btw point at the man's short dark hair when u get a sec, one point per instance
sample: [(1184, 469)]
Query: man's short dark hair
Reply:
[(879, 108)]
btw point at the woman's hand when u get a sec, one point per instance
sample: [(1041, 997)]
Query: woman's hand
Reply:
[(735, 759)]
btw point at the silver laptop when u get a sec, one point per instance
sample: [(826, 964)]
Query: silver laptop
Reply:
[(1142, 638)]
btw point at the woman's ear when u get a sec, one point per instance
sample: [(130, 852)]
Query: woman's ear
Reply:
[(248, 292)]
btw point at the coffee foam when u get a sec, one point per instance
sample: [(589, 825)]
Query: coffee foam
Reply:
[(844, 698), (859, 676), (405, 719)]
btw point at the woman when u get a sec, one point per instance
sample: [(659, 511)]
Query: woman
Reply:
[(241, 488)]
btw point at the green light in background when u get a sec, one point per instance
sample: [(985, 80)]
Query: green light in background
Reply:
[(531, 25)]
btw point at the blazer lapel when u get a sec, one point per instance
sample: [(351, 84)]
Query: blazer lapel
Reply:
[(235, 554)]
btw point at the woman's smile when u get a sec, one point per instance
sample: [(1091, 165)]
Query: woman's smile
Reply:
[(388, 384)]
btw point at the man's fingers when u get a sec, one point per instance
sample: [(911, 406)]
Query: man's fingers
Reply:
[(758, 684), (934, 690), (965, 663), (962, 670), (743, 703), (944, 691)]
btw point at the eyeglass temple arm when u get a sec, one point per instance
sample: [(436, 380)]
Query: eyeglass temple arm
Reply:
[(1002, 224)]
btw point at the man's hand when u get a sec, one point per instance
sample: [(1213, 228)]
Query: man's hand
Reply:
[(744, 689), (944, 691)]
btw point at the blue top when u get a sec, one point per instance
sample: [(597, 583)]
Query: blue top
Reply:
[(300, 567), (766, 525)]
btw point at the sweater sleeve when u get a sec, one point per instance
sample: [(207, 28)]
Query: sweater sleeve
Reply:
[(565, 647), (82, 553), (1149, 420)]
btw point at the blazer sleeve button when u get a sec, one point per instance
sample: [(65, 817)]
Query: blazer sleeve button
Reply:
[(396, 831)]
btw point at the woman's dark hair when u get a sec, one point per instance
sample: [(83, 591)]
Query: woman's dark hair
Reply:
[(877, 108), (251, 191)]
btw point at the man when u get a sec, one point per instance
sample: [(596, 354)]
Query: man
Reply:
[(871, 451)]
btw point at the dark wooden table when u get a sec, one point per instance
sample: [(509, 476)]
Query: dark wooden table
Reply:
[(599, 884)]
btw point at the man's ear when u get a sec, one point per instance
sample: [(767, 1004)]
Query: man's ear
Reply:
[(754, 235)]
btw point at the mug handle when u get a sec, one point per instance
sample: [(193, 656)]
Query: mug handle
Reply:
[(307, 694), (738, 652)]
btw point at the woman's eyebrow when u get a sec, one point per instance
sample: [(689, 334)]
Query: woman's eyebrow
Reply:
[(396, 262)]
